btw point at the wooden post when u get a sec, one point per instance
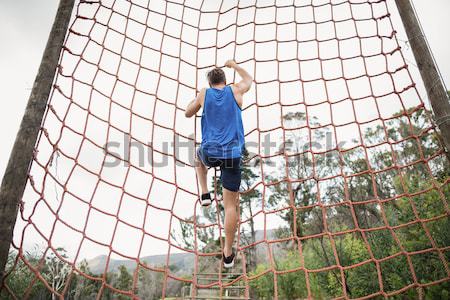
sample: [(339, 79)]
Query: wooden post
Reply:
[(16, 173), (436, 92)]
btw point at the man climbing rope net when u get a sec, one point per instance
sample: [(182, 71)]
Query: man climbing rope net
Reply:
[(222, 143)]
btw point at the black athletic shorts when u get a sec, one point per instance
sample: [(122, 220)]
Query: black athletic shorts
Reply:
[(230, 169)]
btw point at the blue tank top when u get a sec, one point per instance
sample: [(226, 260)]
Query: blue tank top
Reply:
[(222, 129)]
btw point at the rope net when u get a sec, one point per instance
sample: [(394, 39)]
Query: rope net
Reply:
[(345, 183)]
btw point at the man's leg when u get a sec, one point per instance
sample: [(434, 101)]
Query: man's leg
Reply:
[(230, 204), (202, 172)]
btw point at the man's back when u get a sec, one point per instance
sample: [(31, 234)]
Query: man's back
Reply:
[(222, 144), (222, 129)]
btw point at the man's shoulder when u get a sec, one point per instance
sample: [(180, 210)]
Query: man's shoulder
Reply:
[(236, 94), (201, 96), (235, 89)]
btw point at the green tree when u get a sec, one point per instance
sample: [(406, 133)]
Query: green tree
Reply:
[(19, 277), (262, 286), (56, 270), (124, 281), (83, 287), (409, 176)]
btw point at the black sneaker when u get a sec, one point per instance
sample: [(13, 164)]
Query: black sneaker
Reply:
[(205, 199), (228, 262)]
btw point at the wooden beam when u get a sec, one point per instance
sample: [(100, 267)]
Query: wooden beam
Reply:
[(16, 173), (434, 86)]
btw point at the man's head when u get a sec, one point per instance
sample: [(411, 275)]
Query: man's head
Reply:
[(216, 76)]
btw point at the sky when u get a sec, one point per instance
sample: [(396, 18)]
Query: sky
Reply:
[(24, 28)]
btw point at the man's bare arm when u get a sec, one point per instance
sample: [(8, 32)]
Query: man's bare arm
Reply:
[(195, 105), (244, 85)]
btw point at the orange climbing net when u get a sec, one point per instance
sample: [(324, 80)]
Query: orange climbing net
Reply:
[(113, 176)]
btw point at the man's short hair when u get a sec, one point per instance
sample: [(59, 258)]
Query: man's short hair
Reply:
[(216, 76)]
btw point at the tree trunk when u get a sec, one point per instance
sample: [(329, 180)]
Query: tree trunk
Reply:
[(252, 262), (16, 174)]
